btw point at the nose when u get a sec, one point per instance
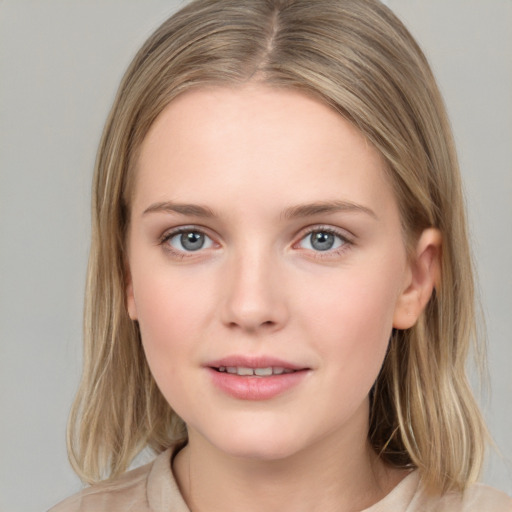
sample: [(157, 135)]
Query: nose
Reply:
[(254, 298)]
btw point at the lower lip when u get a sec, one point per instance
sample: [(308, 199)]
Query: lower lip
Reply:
[(255, 388)]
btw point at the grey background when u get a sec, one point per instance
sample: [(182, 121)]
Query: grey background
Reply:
[(60, 64)]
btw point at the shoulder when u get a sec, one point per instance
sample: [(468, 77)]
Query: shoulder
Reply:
[(131, 491), (477, 498)]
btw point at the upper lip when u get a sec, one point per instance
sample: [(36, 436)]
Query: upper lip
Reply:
[(253, 362)]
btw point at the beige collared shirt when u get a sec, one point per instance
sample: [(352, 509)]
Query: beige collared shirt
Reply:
[(152, 488)]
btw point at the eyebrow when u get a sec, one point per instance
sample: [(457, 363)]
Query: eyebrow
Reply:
[(194, 210), (293, 212), (326, 207)]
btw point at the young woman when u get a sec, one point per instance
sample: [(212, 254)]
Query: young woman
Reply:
[(280, 295)]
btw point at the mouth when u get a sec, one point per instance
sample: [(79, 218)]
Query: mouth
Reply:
[(245, 371), (255, 378), (254, 366)]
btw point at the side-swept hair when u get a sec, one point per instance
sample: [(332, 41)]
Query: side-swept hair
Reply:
[(358, 58)]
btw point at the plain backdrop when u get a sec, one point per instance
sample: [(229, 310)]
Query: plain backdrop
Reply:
[(60, 64)]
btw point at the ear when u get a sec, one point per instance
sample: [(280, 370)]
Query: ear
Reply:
[(130, 298), (423, 276)]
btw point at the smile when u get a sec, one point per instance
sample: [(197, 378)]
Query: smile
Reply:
[(255, 378), (244, 371)]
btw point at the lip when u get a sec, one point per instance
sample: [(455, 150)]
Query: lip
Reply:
[(255, 387), (253, 362)]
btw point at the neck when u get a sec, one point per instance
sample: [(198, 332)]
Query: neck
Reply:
[(333, 474)]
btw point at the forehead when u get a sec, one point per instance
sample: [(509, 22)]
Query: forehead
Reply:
[(251, 113), (251, 142)]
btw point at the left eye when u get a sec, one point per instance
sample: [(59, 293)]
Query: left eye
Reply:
[(189, 241), (321, 240)]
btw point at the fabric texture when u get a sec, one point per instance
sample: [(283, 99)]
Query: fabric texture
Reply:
[(152, 488)]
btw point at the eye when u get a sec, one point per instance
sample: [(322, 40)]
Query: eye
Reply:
[(189, 240), (322, 240)]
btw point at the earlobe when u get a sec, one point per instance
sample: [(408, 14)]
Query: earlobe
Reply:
[(424, 276)]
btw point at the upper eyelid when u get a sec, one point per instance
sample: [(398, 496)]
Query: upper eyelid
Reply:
[(170, 232), (341, 232)]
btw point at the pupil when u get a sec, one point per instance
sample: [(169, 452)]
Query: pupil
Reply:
[(322, 241), (192, 241)]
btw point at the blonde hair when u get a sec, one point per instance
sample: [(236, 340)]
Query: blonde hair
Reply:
[(357, 57)]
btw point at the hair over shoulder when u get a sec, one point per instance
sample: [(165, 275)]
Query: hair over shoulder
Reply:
[(358, 58)]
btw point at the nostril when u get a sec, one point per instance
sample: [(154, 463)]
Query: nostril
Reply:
[(255, 326)]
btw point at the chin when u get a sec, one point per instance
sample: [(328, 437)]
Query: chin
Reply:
[(260, 447), (263, 453)]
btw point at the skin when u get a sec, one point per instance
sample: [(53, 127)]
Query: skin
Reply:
[(250, 157)]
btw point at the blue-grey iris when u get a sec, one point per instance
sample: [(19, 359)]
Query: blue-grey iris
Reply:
[(192, 240), (322, 241)]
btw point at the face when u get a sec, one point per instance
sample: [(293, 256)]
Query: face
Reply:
[(266, 268)]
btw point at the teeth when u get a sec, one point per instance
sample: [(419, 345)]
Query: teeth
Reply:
[(259, 372), (263, 372), (245, 371)]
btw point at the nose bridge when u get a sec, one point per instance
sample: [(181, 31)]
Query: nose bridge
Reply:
[(254, 298)]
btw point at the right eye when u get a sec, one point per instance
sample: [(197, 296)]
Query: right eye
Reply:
[(322, 240), (188, 240)]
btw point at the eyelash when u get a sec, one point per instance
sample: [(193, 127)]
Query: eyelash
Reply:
[(169, 235), (347, 241)]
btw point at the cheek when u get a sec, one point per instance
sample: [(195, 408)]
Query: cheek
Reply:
[(168, 316), (169, 311), (351, 323)]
